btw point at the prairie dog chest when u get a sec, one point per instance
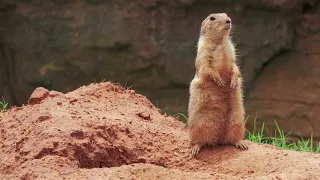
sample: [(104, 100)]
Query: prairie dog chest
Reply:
[(225, 55)]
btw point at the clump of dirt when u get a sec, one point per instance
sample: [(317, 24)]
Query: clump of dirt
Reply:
[(105, 131)]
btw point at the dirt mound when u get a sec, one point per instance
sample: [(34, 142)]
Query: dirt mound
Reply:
[(103, 131)]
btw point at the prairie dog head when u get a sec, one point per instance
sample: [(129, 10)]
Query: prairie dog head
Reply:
[(216, 26)]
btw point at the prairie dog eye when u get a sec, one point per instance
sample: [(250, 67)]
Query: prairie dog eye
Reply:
[(212, 18)]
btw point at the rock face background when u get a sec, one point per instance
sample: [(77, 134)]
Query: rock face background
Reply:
[(151, 45)]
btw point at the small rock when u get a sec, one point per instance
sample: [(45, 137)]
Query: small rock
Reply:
[(44, 117), (73, 101), (145, 116), (38, 95)]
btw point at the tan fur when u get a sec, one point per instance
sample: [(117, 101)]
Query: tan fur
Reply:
[(216, 112)]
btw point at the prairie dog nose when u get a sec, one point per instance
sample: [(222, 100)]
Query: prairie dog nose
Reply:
[(228, 21)]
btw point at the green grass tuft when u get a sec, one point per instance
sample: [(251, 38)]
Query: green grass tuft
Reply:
[(185, 119), (280, 139), (3, 105)]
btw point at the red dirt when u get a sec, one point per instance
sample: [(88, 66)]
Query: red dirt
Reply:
[(103, 131)]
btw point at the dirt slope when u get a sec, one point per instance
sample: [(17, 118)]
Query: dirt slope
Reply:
[(103, 131)]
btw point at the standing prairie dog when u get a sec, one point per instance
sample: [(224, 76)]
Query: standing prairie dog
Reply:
[(215, 110)]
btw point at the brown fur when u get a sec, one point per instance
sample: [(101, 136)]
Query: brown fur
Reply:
[(216, 112)]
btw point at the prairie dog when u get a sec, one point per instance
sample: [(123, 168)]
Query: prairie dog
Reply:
[(216, 112)]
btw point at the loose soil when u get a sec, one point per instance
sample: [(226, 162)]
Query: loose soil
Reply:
[(103, 131)]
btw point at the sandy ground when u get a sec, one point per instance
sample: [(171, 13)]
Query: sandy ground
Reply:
[(103, 131)]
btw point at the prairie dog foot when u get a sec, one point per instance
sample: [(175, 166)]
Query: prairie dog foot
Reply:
[(195, 150), (240, 145)]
